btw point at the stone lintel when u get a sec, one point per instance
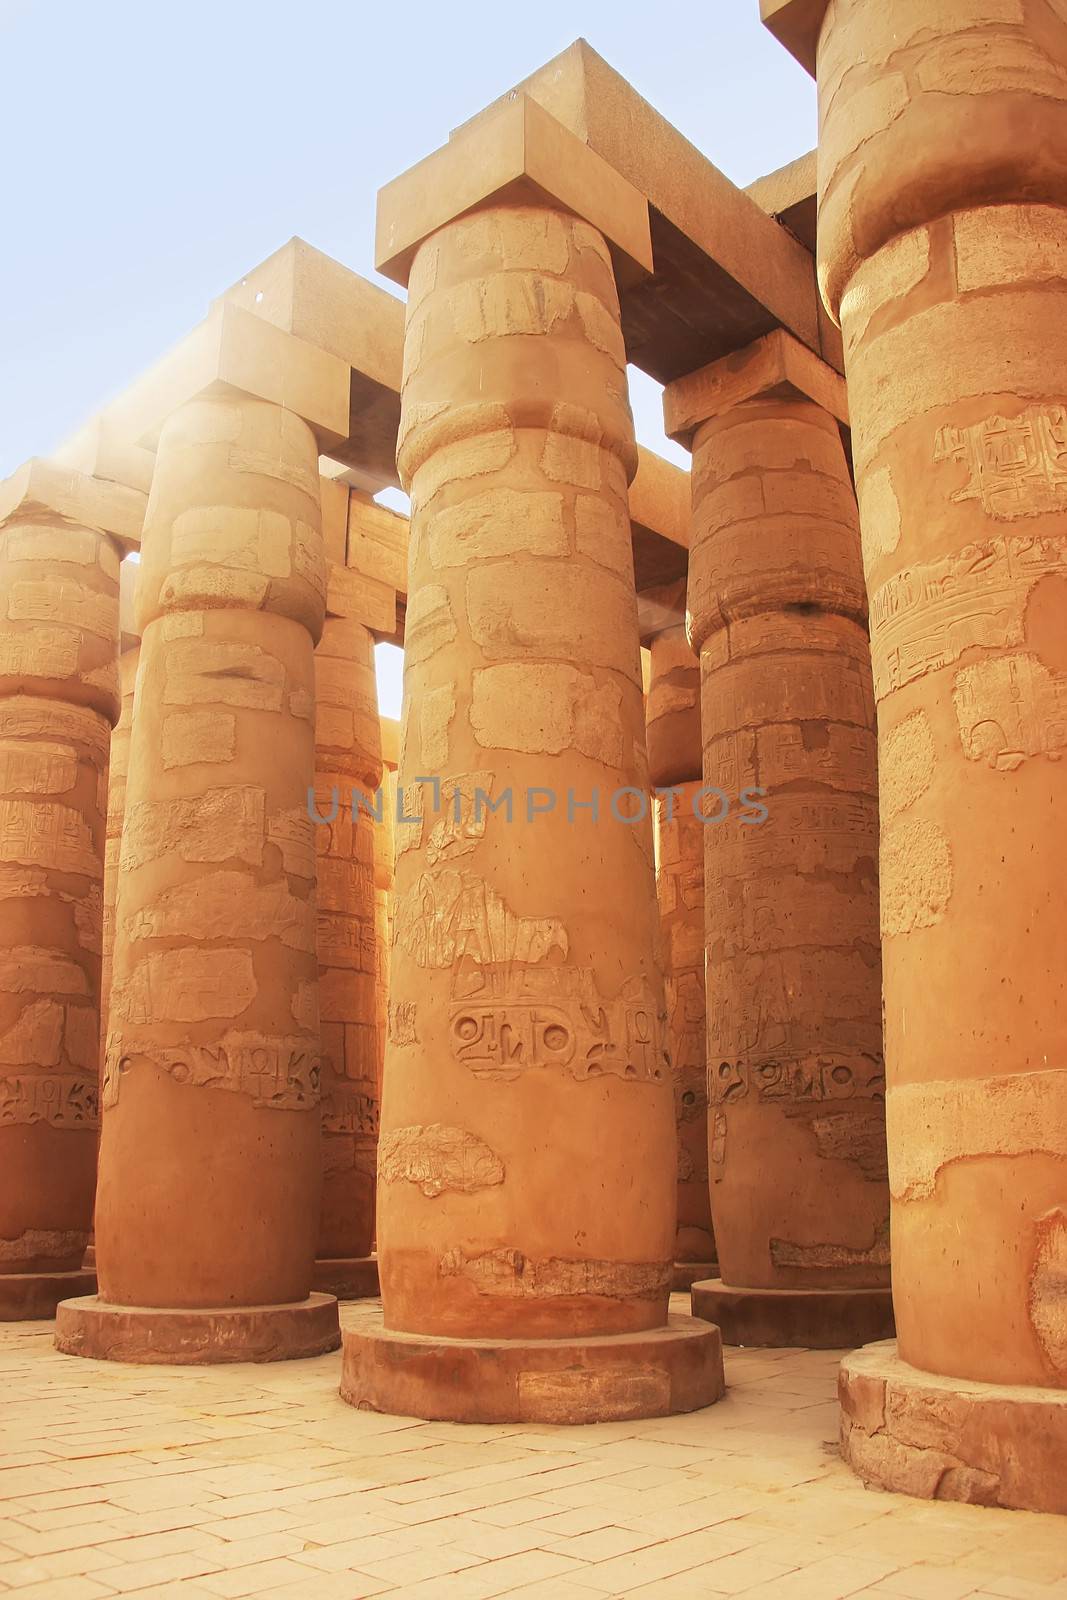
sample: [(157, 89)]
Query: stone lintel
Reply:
[(377, 544), (725, 271), (360, 599), (333, 498), (520, 151), (775, 366), (659, 520), (100, 450), (790, 194), (41, 488), (796, 25), (232, 351), (390, 743), (307, 293)]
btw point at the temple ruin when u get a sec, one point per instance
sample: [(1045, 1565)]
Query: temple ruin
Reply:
[(696, 931)]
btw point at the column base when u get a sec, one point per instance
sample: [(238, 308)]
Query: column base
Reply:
[(610, 1378), (940, 1438), (33, 1296), (347, 1277), (89, 1258), (814, 1319), (686, 1273), (190, 1336)]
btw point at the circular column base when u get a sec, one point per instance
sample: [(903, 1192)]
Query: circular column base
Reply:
[(943, 1438), (814, 1319), (347, 1277), (191, 1336), (89, 1258), (33, 1296), (610, 1378), (686, 1273)]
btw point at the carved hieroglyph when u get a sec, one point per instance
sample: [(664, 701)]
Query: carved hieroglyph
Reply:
[(527, 1075), (672, 713), (214, 1064), (58, 680), (348, 764), (794, 1029), (957, 400)]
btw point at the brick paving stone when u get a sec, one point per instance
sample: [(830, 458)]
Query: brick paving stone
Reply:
[(182, 1484)]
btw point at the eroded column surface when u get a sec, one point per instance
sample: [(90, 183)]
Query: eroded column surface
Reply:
[(526, 1166), (796, 1082), (943, 237), (118, 772), (58, 699), (210, 1166), (674, 763), (348, 771)]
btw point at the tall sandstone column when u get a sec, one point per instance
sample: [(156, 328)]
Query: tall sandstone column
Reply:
[(526, 1165), (210, 1168), (942, 249), (672, 722), (796, 1081), (59, 621), (348, 774), (118, 772)]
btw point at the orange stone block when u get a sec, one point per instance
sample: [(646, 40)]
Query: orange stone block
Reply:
[(672, 718), (210, 1165), (942, 236), (59, 625), (348, 771), (796, 1085)]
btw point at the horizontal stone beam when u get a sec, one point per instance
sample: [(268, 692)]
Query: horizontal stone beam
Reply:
[(724, 272), (790, 195), (41, 488), (316, 299), (773, 365), (796, 24), (518, 150), (232, 351)]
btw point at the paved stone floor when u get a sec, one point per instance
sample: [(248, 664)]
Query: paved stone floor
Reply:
[(258, 1480)]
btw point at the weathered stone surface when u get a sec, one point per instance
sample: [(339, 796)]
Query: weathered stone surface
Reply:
[(945, 1438), (59, 616), (672, 711), (515, 1006), (348, 772), (942, 236), (675, 1367), (213, 1050), (795, 1078)]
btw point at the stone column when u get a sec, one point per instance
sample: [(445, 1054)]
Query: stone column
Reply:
[(796, 1082), (526, 1187), (672, 720), (942, 242), (348, 773), (210, 1166), (384, 872), (116, 810), (59, 619)]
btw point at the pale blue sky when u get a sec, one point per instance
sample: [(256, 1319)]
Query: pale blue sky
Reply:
[(151, 151)]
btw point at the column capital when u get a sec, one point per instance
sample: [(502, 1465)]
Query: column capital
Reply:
[(234, 352), (40, 487), (518, 152), (796, 24), (776, 366)]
